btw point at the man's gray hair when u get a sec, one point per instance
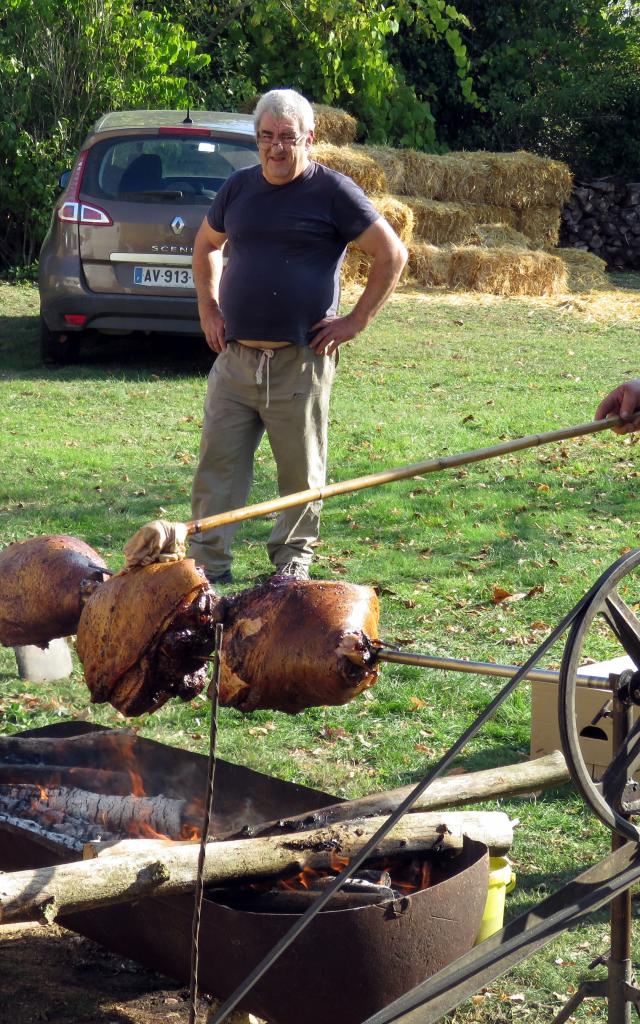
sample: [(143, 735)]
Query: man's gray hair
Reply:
[(285, 103)]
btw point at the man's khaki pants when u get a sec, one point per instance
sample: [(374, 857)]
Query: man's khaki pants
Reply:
[(287, 395)]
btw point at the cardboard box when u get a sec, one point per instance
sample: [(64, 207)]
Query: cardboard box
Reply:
[(595, 739)]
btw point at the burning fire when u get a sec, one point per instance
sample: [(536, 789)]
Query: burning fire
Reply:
[(405, 876)]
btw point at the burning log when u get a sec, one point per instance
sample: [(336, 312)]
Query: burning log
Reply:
[(43, 582), (526, 777), (117, 814), (145, 635), (98, 780), (291, 644), (52, 892)]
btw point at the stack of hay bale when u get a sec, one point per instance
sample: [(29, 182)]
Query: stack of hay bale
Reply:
[(480, 221)]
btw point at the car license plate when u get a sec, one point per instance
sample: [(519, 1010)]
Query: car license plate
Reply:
[(163, 277)]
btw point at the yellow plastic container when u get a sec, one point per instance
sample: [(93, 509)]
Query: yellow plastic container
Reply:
[(502, 880)]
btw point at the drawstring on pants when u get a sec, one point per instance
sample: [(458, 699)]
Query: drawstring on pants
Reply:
[(266, 355)]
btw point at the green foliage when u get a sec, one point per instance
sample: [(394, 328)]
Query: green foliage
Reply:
[(336, 53), (557, 78), (62, 63)]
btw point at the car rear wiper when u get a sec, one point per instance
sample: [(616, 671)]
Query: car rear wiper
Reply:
[(159, 193)]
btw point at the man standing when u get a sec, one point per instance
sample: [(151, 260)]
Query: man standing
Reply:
[(272, 318)]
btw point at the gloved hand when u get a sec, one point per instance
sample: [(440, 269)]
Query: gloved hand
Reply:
[(159, 541)]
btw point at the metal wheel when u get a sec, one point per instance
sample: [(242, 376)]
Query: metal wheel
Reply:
[(606, 628)]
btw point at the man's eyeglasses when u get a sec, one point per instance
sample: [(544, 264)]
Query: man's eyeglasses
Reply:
[(286, 141)]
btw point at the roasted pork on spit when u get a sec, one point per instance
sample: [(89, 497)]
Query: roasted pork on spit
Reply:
[(43, 582), (287, 645), (145, 635), (293, 644)]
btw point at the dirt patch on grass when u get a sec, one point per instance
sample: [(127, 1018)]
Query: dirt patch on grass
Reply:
[(51, 974)]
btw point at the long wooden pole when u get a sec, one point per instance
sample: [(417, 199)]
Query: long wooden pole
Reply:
[(263, 508), (51, 892)]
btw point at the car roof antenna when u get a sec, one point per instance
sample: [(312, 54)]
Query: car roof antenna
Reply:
[(188, 119)]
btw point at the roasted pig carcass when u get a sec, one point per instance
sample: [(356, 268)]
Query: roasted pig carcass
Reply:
[(293, 644), (144, 636), (43, 582)]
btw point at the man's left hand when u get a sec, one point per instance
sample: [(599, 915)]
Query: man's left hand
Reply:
[(333, 332)]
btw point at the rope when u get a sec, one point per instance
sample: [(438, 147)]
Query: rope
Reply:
[(206, 824)]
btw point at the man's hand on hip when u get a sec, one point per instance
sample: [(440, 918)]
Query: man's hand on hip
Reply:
[(212, 323), (334, 332)]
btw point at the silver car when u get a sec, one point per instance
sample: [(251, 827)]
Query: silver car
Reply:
[(117, 256)]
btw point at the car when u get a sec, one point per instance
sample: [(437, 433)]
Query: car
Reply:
[(117, 256)]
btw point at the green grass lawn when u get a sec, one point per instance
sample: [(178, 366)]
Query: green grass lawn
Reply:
[(98, 449)]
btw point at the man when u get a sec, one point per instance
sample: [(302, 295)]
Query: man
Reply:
[(623, 401), (271, 317)]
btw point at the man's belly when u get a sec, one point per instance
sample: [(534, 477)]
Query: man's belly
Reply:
[(262, 344)]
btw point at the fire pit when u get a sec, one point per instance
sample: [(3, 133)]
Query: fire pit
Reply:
[(361, 952)]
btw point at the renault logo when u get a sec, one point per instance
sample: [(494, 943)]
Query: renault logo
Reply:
[(177, 224)]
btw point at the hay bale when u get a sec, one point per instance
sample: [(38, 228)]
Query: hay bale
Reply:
[(585, 270), (424, 175), (519, 180), (491, 236), (334, 125), (351, 160), (398, 214), (506, 271), (541, 224), (437, 222), (428, 265), (355, 268), (523, 180), (392, 164), (487, 213)]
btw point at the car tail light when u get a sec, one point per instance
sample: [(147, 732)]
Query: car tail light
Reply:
[(74, 212), (75, 319), (82, 213)]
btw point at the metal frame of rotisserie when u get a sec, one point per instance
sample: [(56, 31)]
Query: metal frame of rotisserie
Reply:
[(531, 931)]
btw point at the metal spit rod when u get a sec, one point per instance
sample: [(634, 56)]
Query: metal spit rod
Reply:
[(485, 668)]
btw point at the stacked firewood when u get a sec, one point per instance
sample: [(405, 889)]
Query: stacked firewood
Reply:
[(603, 217)]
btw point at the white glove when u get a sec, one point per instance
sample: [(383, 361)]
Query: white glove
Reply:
[(159, 541)]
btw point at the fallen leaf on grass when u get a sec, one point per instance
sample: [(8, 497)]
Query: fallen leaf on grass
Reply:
[(332, 733), (416, 703), (501, 596)]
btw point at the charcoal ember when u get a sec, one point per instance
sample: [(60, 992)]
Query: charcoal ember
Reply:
[(42, 581), (292, 644), (143, 637)]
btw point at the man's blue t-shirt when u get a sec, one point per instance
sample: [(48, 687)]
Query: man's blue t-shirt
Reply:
[(286, 246)]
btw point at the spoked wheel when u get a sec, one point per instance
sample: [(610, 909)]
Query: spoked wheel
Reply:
[(608, 627)]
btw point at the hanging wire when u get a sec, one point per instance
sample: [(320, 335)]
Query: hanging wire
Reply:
[(206, 824)]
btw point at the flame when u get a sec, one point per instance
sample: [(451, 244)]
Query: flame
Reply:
[(407, 877)]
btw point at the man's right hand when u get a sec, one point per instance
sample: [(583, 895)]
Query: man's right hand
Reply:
[(623, 401), (212, 323)]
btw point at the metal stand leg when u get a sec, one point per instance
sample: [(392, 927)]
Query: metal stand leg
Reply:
[(619, 987)]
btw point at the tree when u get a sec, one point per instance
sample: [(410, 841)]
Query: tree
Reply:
[(561, 77), (62, 63)]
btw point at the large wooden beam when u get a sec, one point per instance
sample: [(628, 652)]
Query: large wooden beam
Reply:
[(451, 791), (50, 893)]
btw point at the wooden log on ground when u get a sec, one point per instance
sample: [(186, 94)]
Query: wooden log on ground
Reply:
[(50, 893), (525, 777)]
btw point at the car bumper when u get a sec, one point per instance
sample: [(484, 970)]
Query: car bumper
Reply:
[(176, 315)]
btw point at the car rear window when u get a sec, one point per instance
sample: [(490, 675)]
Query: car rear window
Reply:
[(150, 169)]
